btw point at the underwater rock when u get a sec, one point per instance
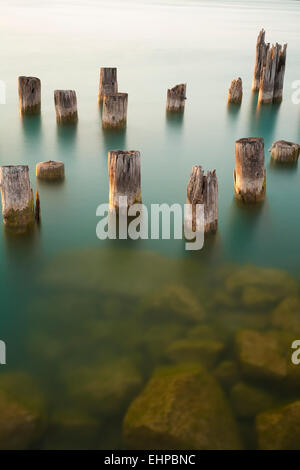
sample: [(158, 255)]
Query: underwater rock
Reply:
[(258, 286), (181, 407), (104, 389), (226, 324), (247, 400), (206, 352), (286, 316), (201, 332), (267, 356), (279, 429), (174, 300), (226, 373), (22, 415)]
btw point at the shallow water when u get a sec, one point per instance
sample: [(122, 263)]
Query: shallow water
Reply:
[(69, 299)]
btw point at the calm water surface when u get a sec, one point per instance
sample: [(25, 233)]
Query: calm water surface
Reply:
[(72, 306)]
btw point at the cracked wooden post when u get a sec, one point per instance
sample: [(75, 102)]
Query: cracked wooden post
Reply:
[(17, 198), (249, 173), (124, 171), (279, 76), (114, 115), (235, 92), (65, 106), (29, 95), (284, 152), (37, 207), (203, 189), (50, 170), (176, 97), (267, 80), (108, 84), (260, 59)]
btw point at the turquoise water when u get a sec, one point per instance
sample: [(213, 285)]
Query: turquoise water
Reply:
[(65, 294)]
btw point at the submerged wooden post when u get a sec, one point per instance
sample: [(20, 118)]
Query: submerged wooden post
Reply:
[(29, 95), (260, 59), (37, 207), (249, 173), (285, 152), (279, 76), (65, 106), (17, 198), (124, 171), (114, 113), (235, 92), (108, 84), (176, 97), (50, 170), (203, 189)]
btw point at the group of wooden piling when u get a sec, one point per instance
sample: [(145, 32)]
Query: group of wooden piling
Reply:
[(268, 75)]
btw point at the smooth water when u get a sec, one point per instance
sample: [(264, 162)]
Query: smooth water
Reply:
[(72, 303)]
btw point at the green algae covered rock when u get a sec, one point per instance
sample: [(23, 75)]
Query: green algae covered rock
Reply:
[(267, 356), (247, 400), (181, 407), (22, 415), (259, 287), (174, 300), (286, 315), (279, 429), (226, 373), (105, 389), (204, 351)]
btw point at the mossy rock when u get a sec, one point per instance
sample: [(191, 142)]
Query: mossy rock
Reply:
[(279, 429), (247, 400), (259, 287), (105, 389), (286, 316), (267, 356), (22, 413), (227, 324), (201, 332), (227, 373), (181, 407), (173, 301), (222, 299), (206, 352)]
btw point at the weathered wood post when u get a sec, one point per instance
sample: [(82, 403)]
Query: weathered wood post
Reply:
[(176, 97), (279, 76), (235, 92), (284, 152), (203, 189), (37, 207), (50, 170), (29, 95), (65, 106), (17, 198), (267, 80), (108, 84), (249, 173), (124, 171), (260, 59), (114, 113)]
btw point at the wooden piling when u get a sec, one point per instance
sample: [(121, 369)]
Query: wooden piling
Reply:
[(29, 95), (249, 173), (176, 97), (284, 152), (279, 76), (124, 171), (50, 170), (108, 84), (17, 198), (203, 189), (260, 59), (235, 92), (37, 207), (267, 81), (65, 106), (114, 113)]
